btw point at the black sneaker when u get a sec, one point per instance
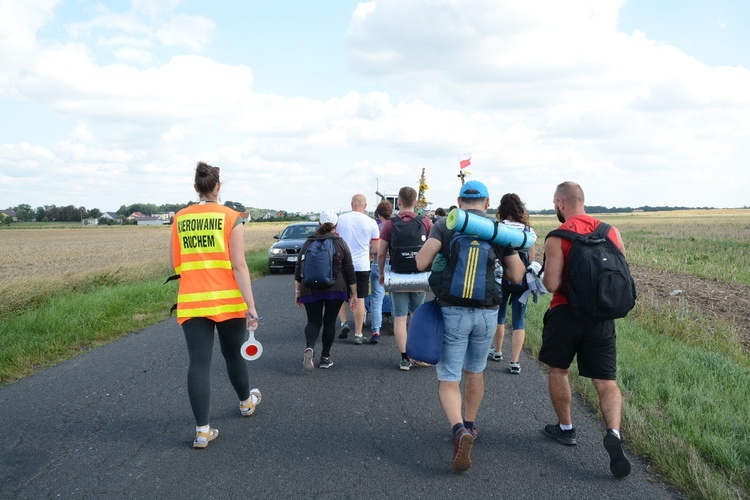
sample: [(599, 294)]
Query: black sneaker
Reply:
[(567, 438), (618, 464), (325, 362), (344, 331)]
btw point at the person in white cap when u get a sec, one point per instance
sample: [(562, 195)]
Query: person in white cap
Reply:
[(323, 302)]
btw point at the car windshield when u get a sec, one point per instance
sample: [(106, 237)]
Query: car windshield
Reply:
[(298, 232)]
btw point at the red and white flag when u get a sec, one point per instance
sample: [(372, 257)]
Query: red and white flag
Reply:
[(464, 160)]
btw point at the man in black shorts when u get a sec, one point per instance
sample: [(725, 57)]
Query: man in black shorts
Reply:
[(361, 234), (565, 336)]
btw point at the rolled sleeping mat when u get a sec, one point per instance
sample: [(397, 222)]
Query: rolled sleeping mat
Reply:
[(396, 282), (489, 230)]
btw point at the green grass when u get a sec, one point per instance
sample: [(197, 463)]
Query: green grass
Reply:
[(685, 407), (64, 324)]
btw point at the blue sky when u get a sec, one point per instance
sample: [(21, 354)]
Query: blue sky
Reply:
[(305, 103)]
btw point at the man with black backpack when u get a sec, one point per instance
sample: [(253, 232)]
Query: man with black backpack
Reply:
[(401, 237), (592, 286), (469, 295)]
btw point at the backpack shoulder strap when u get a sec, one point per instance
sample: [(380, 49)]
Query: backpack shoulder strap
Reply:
[(602, 230), (564, 233)]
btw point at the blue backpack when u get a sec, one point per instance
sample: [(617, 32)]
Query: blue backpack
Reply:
[(317, 264), (468, 279)]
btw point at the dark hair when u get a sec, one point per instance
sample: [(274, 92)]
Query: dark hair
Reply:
[(512, 208), (452, 207), (325, 228), (407, 196), (440, 212), (206, 178), (384, 209)]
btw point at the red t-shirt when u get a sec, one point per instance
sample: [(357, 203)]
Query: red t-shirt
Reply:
[(581, 224)]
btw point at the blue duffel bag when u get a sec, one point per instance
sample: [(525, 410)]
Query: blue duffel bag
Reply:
[(424, 341)]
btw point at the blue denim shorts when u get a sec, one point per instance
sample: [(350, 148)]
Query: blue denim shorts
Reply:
[(402, 303), (468, 333), (517, 311)]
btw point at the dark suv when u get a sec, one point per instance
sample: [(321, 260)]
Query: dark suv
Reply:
[(284, 253)]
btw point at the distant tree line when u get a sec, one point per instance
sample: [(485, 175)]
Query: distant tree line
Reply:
[(71, 213), (597, 209)]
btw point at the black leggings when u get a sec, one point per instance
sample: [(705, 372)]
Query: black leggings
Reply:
[(322, 313), (199, 335)]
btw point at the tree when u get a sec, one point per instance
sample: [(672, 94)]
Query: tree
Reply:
[(4, 219), (41, 214), (95, 213), (24, 212), (238, 207)]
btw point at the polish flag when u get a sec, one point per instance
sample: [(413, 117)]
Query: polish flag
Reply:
[(464, 160)]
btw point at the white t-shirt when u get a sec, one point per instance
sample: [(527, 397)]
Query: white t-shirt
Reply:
[(358, 230)]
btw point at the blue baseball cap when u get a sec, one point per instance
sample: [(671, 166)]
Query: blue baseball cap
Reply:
[(473, 189)]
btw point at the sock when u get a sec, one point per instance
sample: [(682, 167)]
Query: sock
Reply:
[(252, 397), (404, 356), (616, 432), (457, 428), (566, 427), (202, 428), (469, 425)]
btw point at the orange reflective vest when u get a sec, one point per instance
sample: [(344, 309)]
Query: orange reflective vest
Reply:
[(200, 251)]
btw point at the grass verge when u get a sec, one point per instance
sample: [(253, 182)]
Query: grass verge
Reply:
[(66, 323), (685, 407)]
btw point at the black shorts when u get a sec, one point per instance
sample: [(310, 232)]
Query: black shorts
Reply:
[(363, 283), (565, 335)]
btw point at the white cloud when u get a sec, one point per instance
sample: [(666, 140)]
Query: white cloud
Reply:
[(540, 92)]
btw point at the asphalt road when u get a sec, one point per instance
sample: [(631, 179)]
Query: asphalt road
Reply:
[(116, 422)]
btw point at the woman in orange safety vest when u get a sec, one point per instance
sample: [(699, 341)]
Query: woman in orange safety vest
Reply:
[(207, 251)]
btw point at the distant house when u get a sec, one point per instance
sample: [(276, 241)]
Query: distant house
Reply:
[(165, 216), (113, 216), (136, 215), (9, 214), (149, 221), (270, 215)]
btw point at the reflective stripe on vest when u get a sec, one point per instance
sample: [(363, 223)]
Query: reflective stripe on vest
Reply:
[(208, 287)]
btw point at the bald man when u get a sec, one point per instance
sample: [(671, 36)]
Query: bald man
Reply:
[(361, 234)]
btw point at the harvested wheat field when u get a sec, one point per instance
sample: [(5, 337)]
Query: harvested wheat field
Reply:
[(38, 263)]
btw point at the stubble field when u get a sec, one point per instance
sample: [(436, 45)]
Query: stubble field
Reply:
[(37, 264)]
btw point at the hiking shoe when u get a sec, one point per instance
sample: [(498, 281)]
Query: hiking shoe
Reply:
[(325, 362), (248, 407), (203, 438), (344, 331), (405, 365), (474, 432), (462, 443), (495, 356), (307, 360), (415, 362), (514, 368), (375, 339), (567, 438), (359, 339), (618, 463)]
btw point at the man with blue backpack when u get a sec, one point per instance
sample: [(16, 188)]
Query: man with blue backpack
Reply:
[(586, 271), (469, 295)]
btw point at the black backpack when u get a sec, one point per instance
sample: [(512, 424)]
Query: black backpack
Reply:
[(407, 238), (469, 278), (599, 285), (317, 264), (518, 288)]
